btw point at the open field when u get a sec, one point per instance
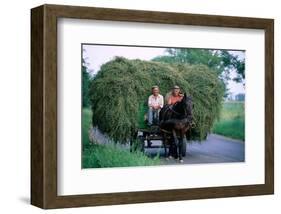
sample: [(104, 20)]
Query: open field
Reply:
[(232, 121)]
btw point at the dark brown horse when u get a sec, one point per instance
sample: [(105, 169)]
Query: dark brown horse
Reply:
[(175, 122)]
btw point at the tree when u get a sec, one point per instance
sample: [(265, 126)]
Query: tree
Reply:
[(221, 61), (85, 84)]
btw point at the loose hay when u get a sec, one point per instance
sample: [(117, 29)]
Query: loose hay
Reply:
[(122, 86)]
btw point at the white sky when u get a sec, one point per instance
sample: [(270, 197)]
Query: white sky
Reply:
[(96, 55)]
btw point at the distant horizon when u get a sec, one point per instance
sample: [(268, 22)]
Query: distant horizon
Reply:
[(96, 55)]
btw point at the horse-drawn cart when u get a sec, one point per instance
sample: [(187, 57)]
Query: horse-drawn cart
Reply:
[(151, 137)]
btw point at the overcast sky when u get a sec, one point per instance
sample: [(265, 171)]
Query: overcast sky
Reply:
[(96, 55)]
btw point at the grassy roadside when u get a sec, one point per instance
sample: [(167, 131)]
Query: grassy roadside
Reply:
[(86, 124), (109, 155), (232, 121)]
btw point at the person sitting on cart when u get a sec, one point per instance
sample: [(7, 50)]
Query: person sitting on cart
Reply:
[(155, 103), (174, 96)]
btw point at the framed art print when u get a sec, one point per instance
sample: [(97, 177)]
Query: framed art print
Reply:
[(136, 106)]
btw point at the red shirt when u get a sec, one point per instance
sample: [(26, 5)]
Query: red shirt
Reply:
[(173, 99)]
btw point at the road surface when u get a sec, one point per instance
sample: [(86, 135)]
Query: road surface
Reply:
[(215, 149)]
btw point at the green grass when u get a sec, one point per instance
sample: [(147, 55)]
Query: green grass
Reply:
[(109, 155), (232, 121)]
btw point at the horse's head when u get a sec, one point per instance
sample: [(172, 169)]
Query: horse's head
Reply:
[(187, 104)]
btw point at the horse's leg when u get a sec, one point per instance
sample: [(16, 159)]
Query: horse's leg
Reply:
[(165, 145), (180, 148), (171, 144), (168, 141), (183, 140), (188, 134), (176, 142)]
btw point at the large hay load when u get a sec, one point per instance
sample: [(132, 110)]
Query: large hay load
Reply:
[(122, 86)]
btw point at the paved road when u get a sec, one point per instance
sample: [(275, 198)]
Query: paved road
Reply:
[(215, 149)]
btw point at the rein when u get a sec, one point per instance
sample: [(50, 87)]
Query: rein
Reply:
[(171, 108), (185, 116), (175, 112), (164, 130)]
